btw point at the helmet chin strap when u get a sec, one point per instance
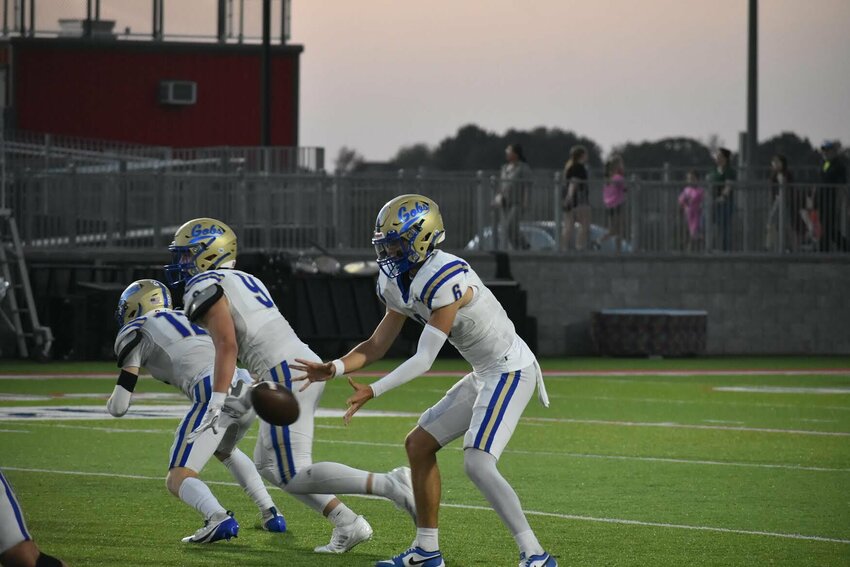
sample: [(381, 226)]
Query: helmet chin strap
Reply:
[(230, 264)]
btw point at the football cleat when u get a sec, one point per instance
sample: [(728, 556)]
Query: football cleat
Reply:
[(344, 538), (214, 529), (275, 522), (402, 490), (542, 560), (414, 557)]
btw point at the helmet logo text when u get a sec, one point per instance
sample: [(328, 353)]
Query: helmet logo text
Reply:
[(213, 230), (418, 210)]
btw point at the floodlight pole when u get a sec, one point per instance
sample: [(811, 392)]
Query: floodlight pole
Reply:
[(752, 86), (265, 76)]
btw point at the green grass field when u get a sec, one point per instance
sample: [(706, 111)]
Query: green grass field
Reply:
[(651, 470)]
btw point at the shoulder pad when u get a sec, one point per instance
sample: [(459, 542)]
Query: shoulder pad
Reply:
[(202, 301), (128, 348)]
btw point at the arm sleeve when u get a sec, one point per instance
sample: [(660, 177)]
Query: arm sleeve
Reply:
[(119, 401), (430, 342), (380, 293)]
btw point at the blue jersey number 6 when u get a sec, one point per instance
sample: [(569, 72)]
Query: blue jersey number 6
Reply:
[(457, 292)]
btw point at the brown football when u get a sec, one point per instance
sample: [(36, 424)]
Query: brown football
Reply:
[(274, 403)]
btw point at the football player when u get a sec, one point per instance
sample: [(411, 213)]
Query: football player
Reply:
[(17, 549), (445, 295), (174, 351), (238, 312)]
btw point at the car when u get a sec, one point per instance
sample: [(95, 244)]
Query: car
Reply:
[(541, 237)]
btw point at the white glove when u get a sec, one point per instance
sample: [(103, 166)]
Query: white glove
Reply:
[(211, 417)]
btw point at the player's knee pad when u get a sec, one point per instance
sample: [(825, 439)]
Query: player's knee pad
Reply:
[(45, 560)]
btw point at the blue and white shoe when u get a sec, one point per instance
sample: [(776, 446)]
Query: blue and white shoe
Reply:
[(542, 560), (216, 528), (275, 523), (414, 557)]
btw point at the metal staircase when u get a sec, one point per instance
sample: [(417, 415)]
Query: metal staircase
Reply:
[(19, 312)]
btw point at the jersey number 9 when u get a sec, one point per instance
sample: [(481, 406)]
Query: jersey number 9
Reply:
[(255, 288)]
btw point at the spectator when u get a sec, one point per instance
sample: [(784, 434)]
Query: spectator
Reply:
[(833, 174), (690, 200), (576, 198), (724, 198), (780, 184), (614, 197), (512, 197)]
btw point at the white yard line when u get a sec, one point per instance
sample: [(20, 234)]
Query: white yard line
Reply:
[(781, 390), (674, 425), (613, 457), (548, 373), (514, 451), (696, 402), (14, 431), (573, 517)]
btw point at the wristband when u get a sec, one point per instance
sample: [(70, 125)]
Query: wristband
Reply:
[(217, 399), (339, 367)]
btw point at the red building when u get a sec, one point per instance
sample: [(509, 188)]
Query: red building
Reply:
[(116, 89)]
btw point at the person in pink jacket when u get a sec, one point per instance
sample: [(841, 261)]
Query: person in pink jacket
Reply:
[(690, 199), (614, 197)]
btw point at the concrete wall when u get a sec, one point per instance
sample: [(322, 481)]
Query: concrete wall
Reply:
[(756, 305)]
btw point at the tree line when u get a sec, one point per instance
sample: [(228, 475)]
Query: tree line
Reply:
[(473, 148)]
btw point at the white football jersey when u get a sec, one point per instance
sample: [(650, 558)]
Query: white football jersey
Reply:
[(482, 331), (171, 348), (263, 336)]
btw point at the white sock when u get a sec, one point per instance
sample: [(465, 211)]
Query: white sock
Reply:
[(381, 486), (481, 468), (198, 495), (426, 538), (341, 515), (328, 478), (243, 470), (527, 543)]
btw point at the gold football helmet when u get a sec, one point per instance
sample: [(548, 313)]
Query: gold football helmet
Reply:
[(139, 298), (200, 245), (406, 231)]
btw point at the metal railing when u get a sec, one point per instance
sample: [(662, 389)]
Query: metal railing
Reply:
[(295, 211), (51, 153), (29, 150)]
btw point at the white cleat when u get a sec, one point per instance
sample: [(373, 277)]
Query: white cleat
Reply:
[(344, 538), (218, 527), (402, 490)]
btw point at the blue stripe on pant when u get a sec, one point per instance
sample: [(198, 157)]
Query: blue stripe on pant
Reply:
[(505, 404), (15, 508), (287, 470), (195, 416), (490, 409)]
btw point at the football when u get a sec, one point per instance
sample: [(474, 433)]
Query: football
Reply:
[(274, 403)]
